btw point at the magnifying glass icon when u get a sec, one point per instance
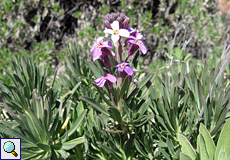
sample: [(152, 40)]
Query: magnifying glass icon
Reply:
[(9, 147)]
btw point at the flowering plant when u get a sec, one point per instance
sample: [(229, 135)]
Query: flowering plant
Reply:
[(183, 114), (116, 25), (124, 101)]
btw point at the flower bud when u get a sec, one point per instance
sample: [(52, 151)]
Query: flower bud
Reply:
[(107, 24), (120, 17), (125, 23)]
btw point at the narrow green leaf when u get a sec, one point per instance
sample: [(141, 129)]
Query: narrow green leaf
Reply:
[(202, 147), (77, 123), (144, 107), (94, 104), (166, 155), (64, 137), (109, 151), (222, 154), (139, 148), (11, 78), (114, 147), (186, 147), (71, 67), (28, 133), (69, 94), (115, 114), (149, 77), (6, 131), (72, 143), (224, 140), (125, 86), (37, 125), (140, 121), (170, 146), (18, 79), (94, 68), (63, 153), (20, 135), (208, 142), (126, 109), (54, 125), (102, 95), (220, 121), (43, 146), (184, 156)]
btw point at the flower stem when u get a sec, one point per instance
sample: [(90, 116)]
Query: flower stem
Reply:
[(111, 95), (126, 58), (119, 79)]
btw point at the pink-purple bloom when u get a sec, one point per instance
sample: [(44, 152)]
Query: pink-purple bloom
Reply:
[(124, 69), (135, 33), (101, 49), (132, 79), (107, 80), (135, 44)]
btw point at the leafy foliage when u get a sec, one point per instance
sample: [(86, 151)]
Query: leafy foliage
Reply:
[(44, 122)]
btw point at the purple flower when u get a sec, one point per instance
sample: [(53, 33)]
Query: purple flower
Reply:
[(135, 33), (135, 82), (101, 49), (132, 79), (116, 31), (135, 44), (124, 69), (107, 80)]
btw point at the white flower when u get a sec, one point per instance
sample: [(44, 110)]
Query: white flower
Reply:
[(116, 32)]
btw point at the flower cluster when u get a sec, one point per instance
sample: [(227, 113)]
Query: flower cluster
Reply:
[(116, 25)]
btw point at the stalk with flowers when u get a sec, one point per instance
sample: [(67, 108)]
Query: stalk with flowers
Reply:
[(123, 111), (116, 25)]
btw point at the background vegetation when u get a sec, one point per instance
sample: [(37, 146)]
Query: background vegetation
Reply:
[(179, 111)]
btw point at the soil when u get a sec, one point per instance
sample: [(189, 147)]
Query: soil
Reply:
[(60, 28)]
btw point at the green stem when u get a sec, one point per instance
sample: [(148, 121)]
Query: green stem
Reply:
[(118, 47), (111, 95)]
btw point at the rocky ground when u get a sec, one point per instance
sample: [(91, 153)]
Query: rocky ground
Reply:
[(39, 21)]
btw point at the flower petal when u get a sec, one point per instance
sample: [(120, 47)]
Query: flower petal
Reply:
[(107, 44), (143, 48), (125, 64), (115, 25), (135, 81), (124, 32), (139, 36), (120, 69), (134, 69), (131, 30), (99, 39), (93, 47), (128, 70), (108, 31), (111, 78), (132, 41), (115, 38), (112, 53), (100, 81), (96, 54)]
